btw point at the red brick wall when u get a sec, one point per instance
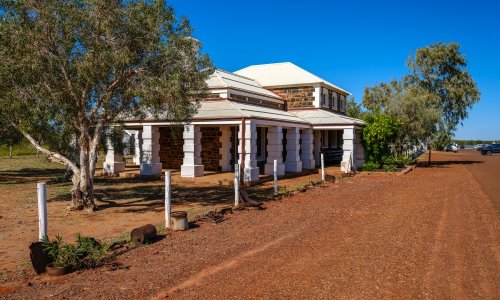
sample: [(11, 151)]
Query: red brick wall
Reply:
[(297, 97), (210, 145), (171, 143)]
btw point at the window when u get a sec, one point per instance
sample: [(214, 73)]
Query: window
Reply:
[(335, 101), (324, 100), (342, 103)]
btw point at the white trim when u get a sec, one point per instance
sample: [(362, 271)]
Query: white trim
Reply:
[(317, 96)]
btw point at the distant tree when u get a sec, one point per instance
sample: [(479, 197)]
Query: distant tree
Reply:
[(71, 68), (431, 100), (353, 109), (441, 70), (9, 136)]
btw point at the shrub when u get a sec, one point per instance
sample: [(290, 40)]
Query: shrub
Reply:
[(399, 161), (86, 252), (389, 168), (379, 133), (371, 166)]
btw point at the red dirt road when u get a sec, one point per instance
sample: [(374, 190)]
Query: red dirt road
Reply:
[(433, 233)]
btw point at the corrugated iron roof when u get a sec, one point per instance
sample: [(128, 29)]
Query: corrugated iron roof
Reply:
[(224, 79), (324, 117), (283, 74)]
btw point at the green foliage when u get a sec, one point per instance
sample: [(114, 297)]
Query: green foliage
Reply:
[(429, 101), (86, 252), (398, 161), (71, 69), (389, 168), (441, 70), (89, 250), (62, 254), (379, 134), (353, 109), (371, 166), (18, 149)]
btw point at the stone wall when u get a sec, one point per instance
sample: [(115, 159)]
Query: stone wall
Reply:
[(210, 145), (171, 147), (297, 97)]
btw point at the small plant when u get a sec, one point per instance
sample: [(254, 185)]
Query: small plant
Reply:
[(86, 252), (63, 255), (89, 250), (389, 168), (371, 166)]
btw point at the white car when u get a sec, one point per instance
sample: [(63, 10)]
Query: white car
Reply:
[(450, 148)]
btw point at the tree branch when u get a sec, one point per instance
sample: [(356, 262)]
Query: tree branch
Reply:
[(56, 156), (109, 90)]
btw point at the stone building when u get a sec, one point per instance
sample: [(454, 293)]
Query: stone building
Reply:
[(251, 117)]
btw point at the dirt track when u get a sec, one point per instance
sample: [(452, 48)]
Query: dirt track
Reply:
[(433, 233)]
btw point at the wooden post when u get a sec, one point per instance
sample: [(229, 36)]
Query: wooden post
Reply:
[(42, 210), (275, 177), (236, 185), (168, 198), (322, 168)]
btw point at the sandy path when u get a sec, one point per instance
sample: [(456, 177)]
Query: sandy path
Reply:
[(433, 233)]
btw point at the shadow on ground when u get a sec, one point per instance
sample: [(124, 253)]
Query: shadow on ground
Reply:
[(446, 163)]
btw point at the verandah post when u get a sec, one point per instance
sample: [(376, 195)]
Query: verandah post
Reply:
[(168, 198), (42, 210), (275, 177), (322, 168), (236, 185)]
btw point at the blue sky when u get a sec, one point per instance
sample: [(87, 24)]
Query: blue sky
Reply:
[(355, 44)]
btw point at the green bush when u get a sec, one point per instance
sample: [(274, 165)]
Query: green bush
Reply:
[(371, 166), (389, 168), (399, 161), (379, 133), (86, 252)]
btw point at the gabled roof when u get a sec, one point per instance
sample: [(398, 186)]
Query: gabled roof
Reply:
[(323, 117), (224, 79), (283, 74)]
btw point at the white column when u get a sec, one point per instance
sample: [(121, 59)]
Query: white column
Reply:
[(225, 149), (293, 162), (192, 165), (274, 150), (307, 147), (349, 146), (113, 163), (150, 164), (251, 171), (137, 147), (317, 146)]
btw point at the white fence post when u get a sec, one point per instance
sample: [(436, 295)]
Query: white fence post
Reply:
[(42, 210), (236, 185), (322, 167), (275, 177), (168, 198)]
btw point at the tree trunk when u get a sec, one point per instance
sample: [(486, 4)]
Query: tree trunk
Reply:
[(82, 196), (82, 193)]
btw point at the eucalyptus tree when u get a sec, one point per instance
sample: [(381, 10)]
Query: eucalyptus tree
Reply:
[(71, 68), (431, 100)]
